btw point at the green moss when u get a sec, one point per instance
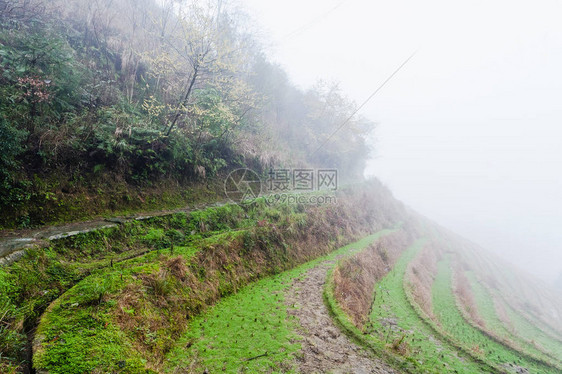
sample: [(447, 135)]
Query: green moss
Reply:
[(43, 275), (79, 334)]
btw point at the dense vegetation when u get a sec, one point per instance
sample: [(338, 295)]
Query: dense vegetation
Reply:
[(100, 98)]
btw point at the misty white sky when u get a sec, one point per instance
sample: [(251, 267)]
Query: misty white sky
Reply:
[(470, 130)]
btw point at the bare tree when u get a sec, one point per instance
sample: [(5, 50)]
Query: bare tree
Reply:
[(23, 10)]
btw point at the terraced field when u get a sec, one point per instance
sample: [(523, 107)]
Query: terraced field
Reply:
[(396, 327), (530, 332), (128, 299), (265, 290), (512, 327), (259, 330), (471, 338), (443, 339)]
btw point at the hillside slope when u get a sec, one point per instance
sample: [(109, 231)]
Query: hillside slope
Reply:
[(238, 289), (118, 107), (141, 281)]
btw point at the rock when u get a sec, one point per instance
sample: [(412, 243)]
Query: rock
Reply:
[(118, 220)]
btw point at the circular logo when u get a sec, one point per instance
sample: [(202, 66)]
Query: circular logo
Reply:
[(242, 186)]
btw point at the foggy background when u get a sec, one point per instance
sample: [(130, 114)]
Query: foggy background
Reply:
[(469, 131)]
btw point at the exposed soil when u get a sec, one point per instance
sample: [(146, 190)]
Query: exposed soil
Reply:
[(325, 349)]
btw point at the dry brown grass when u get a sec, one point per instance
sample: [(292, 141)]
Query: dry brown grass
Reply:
[(503, 316), (465, 296), (476, 350), (401, 346), (177, 267), (421, 273), (355, 277)]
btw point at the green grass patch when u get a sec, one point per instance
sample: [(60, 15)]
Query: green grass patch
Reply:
[(487, 310), (453, 323), (250, 331), (533, 334), (396, 325), (42, 275), (81, 323), (78, 333)]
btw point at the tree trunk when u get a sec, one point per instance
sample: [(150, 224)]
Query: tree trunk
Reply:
[(184, 101)]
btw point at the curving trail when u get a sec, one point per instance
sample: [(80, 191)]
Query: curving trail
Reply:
[(325, 349), (14, 243)]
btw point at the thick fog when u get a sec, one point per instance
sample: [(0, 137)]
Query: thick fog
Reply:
[(469, 131)]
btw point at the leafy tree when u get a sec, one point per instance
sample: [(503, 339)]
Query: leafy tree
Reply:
[(41, 65), (145, 90)]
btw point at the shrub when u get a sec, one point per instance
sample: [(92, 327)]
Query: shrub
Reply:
[(10, 148)]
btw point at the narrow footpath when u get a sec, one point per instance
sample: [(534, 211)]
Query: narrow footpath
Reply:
[(325, 349)]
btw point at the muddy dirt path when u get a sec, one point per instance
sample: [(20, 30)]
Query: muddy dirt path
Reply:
[(13, 243), (325, 348)]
